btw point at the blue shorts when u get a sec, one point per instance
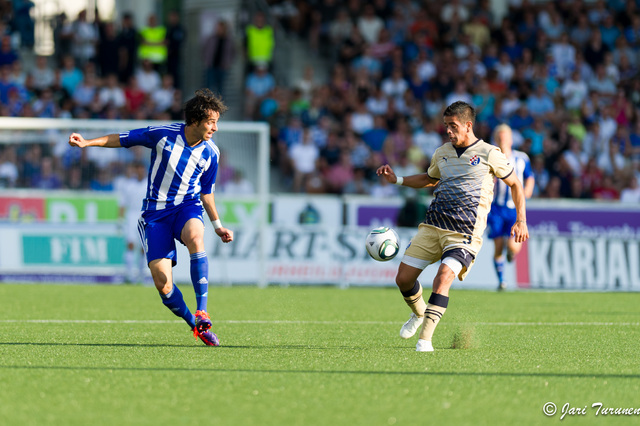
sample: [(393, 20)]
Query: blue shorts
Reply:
[(159, 229), (500, 221)]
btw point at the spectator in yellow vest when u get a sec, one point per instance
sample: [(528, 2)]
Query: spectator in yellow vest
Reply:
[(259, 41), (153, 42)]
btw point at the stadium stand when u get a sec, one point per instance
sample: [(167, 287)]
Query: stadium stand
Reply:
[(564, 75)]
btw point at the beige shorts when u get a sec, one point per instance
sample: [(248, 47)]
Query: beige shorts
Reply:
[(428, 245)]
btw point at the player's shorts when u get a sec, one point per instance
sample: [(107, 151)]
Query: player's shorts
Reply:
[(432, 244), (500, 221), (160, 229)]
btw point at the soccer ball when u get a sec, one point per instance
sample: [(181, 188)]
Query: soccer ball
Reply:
[(382, 244)]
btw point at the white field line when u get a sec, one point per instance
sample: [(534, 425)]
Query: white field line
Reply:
[(500, 324)]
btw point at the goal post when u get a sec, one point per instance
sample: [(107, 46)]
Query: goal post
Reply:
[(244, 147)]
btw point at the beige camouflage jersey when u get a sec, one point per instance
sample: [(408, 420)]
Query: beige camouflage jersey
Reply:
[(462, 200)]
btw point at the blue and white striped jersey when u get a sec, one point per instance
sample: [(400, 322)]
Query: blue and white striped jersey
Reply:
[(522, 169), (178, 172)]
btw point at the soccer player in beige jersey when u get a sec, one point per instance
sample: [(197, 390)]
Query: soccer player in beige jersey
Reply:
[(463, 172)]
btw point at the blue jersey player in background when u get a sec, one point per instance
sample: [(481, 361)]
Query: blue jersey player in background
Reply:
[(503, 212), (180, 183)]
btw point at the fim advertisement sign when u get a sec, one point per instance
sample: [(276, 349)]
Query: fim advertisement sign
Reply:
[(72, 250), (62, 252)]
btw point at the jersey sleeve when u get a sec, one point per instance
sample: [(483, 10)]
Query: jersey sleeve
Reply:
[(499, 164), (208, 179), (143, 137), (434, 171)]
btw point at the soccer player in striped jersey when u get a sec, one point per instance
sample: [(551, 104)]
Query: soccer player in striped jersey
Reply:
[(462, 171), (503, 211), (180, 183)]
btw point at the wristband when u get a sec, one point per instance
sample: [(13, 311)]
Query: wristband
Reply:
[(399, 180), (216, 224), (522, 221)]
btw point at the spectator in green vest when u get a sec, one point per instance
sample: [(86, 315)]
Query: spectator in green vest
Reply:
[(153, 42), (259, 41)]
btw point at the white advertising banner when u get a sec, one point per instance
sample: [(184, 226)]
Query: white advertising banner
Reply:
[(320, 255), (585, 246)]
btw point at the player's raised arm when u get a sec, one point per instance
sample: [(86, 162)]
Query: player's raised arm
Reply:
[(209, 204), (107, 141), (519, 230), (421, 180)]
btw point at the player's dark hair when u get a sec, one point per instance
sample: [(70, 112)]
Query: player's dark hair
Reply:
[(197, 108), (462, 110)]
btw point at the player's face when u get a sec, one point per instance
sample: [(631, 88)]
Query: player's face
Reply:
[(207, 127), (457, 131)]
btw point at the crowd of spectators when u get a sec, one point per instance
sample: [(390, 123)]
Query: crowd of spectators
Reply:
[(98, 71), (563, 75)]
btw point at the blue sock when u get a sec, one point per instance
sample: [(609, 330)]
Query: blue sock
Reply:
[(199, 278), (499, 265), (175, 302)]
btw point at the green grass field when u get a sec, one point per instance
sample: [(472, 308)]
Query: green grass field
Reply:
[(113, 355)]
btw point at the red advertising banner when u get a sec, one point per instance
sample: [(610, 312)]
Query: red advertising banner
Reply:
[(22, 209)]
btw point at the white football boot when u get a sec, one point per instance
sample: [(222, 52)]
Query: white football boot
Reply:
[(424, 346), (410, 327)]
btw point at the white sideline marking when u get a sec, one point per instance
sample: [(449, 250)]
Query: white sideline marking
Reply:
[(505, 324)]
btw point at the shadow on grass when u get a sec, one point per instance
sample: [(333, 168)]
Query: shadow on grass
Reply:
[(201, 370), (113, 345), (196, 345)]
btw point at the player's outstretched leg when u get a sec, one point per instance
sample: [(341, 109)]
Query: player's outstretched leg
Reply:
[(199, 274), (407, 282), (414, 300), (199, 278), (175, 302), (435, 309)]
